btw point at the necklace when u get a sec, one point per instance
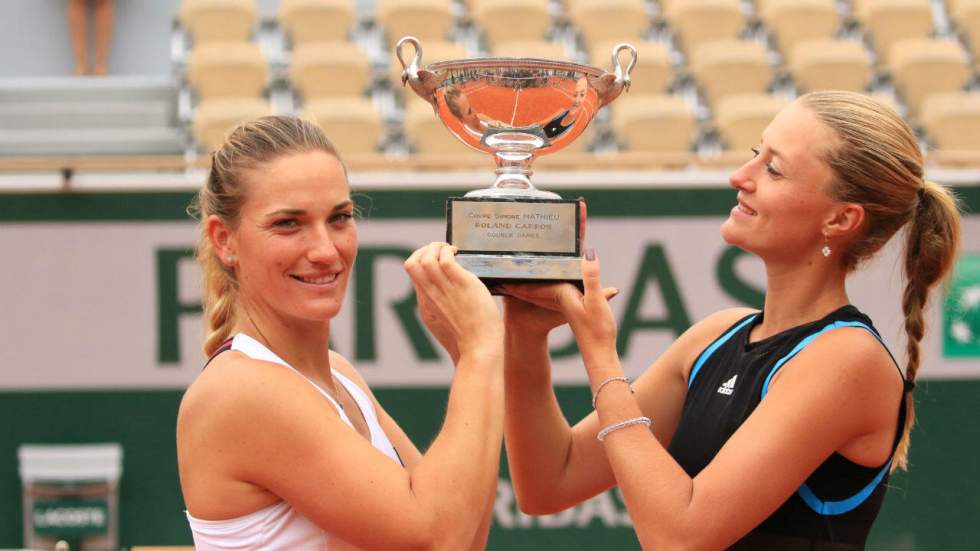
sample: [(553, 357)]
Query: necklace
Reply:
[(268, 345)]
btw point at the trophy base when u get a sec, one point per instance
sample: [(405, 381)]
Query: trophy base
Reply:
[(523, 268), (516, 239)]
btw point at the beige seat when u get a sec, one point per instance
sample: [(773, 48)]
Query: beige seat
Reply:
[(432, 52), (215, 118), (887, 21), (218, 20), (742, 118), (697, 21), (511, 20), (830, 64), (952, 120), (316, 20), (653, 72), (966, 16), (429, 136), (162, 548), (795, 21), (657, 123), (427, 20), (321, 69), (609, 20), (531, 48), (227, 69), (352, 124), (726, 67), (923, 66)]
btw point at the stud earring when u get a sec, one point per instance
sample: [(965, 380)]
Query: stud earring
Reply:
[(826, 246), (231, 259)]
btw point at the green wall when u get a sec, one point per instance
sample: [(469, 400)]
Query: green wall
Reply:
[(936, 506)]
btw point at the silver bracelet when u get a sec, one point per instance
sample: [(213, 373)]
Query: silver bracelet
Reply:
[(606, 382), (622, 425)]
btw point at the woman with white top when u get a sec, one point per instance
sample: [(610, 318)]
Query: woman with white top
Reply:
[(281, 444)]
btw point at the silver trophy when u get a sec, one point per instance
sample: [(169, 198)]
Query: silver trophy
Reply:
[(515, 109)]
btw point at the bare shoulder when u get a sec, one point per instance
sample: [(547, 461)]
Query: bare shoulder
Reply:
[(234, 388), (846, 363), (854, 356)]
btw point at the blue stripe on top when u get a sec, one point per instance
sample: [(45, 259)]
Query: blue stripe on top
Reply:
[(829, 508), (715, 346), (803, 343)]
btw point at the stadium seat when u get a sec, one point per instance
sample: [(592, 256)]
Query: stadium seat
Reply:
[(830, 64), (432, 52), (923, 66), (654, 71), (427, 20), (654, 123), (511, 20), (742, 118), (428, 135), (793, 21), (887, 21), (218, 20), (952, 120), (530, 48), (609, 20), (697, 21), (352, 124), (966, 16), (316, 20), (215, 118), (725, 67), (226, 69), (321, 69)]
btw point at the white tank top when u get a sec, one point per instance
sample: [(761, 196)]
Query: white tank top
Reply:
[(279, 526)]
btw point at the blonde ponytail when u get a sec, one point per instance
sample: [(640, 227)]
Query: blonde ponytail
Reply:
[(932, 240)]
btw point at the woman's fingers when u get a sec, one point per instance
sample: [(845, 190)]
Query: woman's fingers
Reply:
[(590, 276)]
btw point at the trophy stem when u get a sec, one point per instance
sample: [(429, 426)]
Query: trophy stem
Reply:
[(514, 152)]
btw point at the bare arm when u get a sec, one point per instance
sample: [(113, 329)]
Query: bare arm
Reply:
[(263, 429), (554, 466), (739, 488)]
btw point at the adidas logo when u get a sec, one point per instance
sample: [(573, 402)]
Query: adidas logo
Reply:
[(728, 387)]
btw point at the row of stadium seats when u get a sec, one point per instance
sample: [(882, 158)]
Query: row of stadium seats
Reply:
[(598, 21), (733, 78)]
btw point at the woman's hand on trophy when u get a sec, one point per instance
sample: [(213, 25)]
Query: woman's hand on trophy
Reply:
[(589, 314), (454, 304), (536, 307)]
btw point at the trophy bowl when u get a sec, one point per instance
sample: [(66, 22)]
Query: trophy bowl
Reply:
[(515, 109)]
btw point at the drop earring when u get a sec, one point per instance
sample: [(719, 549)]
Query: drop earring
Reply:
[(826, 246)]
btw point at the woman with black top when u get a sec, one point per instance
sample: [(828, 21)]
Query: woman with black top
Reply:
[(754, 430)]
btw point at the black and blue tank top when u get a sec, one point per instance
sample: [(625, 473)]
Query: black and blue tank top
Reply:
[(836, 506)]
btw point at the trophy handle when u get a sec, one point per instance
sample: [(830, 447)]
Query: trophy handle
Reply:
[(424, 83), (610, 85)]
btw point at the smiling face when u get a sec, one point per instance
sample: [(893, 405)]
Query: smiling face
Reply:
[(784, 200), (296, 240)]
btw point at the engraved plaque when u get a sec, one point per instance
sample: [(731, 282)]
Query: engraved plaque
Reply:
[(541, 227)]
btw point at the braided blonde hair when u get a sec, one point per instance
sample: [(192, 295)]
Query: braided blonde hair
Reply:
[(877, 164), (249, 145)]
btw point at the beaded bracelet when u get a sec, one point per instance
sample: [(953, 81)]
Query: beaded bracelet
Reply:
[(622, 425), (606, 382)]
